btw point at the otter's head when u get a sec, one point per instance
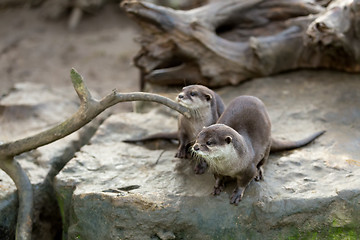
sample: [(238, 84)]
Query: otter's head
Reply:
[(195, 97), (215, 145)]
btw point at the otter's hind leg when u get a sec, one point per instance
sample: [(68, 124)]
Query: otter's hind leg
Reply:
[(243, 180), (238, 193), (260, 175)]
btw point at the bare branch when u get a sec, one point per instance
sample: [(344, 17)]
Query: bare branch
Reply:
[(87, 111), (45, 201), (116, 97), (25, 191)]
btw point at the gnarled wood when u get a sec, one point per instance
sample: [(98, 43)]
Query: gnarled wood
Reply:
[(226, 42)]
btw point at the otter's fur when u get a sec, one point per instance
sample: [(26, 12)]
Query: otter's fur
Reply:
[(240, 143), (205, 107)]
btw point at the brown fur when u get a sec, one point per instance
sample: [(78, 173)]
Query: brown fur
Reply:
[(189, 128), (239, 144), (192, 97)]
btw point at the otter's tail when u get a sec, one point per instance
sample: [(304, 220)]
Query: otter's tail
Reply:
[(281, 145), (163, 135)]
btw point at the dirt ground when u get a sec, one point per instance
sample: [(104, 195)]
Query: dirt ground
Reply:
[(33, 49)]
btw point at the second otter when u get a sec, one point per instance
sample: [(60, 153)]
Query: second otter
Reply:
[(240, 143), (205, 108)]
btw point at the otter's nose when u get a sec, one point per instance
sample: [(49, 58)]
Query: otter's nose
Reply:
[(180, 96), (196, 147)]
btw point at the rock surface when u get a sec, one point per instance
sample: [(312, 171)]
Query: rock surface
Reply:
[(26, 110), (114, 190)]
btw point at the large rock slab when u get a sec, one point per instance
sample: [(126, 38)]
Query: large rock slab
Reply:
[(114, 190), (29, 109), (26, 110)]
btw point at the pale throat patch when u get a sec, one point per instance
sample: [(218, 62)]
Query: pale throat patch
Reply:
[(222, 159)]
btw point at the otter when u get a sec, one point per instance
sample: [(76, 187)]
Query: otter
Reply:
[(205, 108), (239, 144)]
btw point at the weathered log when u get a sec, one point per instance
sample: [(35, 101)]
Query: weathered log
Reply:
[(226, 42)]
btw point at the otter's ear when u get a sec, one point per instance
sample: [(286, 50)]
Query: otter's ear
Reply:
[(228, 139), (208, 97)]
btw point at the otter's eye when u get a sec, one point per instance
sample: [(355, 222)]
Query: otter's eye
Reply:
[(192, 94), (208, 143)]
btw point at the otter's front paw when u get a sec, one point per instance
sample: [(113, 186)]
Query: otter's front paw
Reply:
[(236, 196), (218, 190)]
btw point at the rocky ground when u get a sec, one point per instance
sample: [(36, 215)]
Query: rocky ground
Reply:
[(309, 192), (34, 49), (114, 190)]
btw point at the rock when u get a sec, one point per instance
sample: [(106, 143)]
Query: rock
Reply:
[(114, 190), (28, 109), (8, 210)]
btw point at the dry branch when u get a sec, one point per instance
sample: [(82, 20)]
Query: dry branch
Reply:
[(229, 41), (88, 110), (24, 219), (46, 208)]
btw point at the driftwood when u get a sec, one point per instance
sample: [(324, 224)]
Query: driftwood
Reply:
[(89, 108), (226, 42)]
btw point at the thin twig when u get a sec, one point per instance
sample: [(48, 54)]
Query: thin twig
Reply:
[(158, 159), (25, 191)]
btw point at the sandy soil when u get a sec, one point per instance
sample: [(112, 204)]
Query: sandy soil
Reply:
[(33, 49)]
